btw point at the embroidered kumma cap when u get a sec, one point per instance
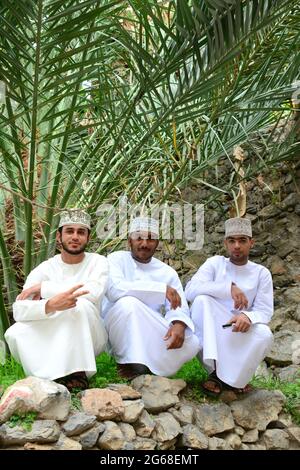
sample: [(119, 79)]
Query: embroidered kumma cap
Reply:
[(75, 216), (144, 224), (238, 226)]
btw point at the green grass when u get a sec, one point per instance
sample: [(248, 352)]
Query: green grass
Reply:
[(24, 420), (192, 372), (10, 372)]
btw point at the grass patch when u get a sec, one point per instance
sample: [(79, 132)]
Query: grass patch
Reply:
[(24, 420), (106, 372), (10, 372)]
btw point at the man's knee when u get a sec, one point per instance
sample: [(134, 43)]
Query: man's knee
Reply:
[(198, 306), (200, 300), (129, 303), (264, 332)]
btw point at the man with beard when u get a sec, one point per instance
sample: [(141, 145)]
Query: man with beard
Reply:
[(58, 331), (232, 302), (147, 318)]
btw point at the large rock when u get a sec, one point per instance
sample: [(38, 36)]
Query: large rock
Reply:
[(294, 433), (233, 440), (158, 393), (293, 295), (290, 373), (78, 423), (214, 419), (258, 409), (42, 431), (276, 439), (65, 443), (184, 414), (49, 399), (144, 425), (278, 266), (142, 443), (132, 410), (290, 201), (281, 351), (250, 436), (166, 427), (112, 438), (269, 212), (89, 438), (128, 431), (193, 437), (216, 443), (103, 403)]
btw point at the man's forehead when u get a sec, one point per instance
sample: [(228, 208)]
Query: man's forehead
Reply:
[(74, 227), (144, 235), (237, 237)]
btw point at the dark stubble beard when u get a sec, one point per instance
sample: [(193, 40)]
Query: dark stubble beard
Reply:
[(74, 252)]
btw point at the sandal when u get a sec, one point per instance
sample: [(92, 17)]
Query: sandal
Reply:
[(247, 389), (130, 371), (77, 380), (212, 378)]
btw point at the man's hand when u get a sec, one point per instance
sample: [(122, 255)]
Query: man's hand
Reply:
[(240, 300), (241, 323), (64, 300), (175, 334), (34, 291), (173, 297)]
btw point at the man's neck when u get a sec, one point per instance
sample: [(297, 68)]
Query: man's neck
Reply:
[(68, 258), (239, 263)]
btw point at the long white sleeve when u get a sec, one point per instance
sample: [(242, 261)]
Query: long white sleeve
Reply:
[(203, 282), (261, 310), (146, 291), (28, 310), (180, 313)]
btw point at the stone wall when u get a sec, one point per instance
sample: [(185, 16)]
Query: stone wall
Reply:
[(148, 415)]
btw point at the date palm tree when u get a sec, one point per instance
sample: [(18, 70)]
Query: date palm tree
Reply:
[(111, 97)]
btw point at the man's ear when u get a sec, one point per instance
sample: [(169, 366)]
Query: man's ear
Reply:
[(252, 242), (58, 236)]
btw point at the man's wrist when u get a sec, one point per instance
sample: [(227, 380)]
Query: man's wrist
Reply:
[(48, 308), (246, 316)]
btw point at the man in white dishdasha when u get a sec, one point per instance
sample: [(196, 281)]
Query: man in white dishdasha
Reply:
[(147, 320), (58, 331), (232, 302)]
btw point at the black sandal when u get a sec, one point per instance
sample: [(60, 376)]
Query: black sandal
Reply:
[(77, 380), (215, 380)]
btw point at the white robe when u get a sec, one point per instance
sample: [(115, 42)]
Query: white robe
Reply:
[(57, 344), (237, 354), (138, 316)]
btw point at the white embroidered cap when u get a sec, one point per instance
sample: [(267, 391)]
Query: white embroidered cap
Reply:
[(238, 226), (75, 216), (144, 224)]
